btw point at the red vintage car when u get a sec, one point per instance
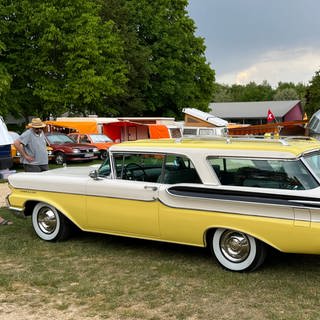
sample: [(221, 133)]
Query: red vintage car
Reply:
[(66, 149), (101, 141)]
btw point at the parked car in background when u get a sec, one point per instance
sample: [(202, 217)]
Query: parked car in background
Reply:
[(101, 141), (238, 197), (65, 149)]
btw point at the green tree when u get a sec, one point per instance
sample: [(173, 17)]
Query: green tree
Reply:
[(167, 65), (5, 82), (286, 94), (248, 92), (124, 57), (299, 88), (132, 101), (61, 56), (222, 93), (257, 92), (313, 95)]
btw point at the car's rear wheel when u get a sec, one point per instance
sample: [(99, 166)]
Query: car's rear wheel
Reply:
[(237, 251), (60, 158), (49, 224)]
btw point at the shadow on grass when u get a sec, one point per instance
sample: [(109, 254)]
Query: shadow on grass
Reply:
[(99, 243)]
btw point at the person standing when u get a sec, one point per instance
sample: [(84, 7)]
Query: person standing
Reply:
[(33, 148)]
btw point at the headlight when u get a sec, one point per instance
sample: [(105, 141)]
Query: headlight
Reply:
[(49, 152), (76, 150), (95, 150)]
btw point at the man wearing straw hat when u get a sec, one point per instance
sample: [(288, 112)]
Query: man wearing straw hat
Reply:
[(32, 147)]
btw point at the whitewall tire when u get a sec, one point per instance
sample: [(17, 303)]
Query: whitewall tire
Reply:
[(237, 251), (49, 224)]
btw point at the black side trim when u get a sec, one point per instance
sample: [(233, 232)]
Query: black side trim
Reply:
[(244, 196)]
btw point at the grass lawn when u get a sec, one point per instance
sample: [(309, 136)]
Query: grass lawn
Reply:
[(92, 276)]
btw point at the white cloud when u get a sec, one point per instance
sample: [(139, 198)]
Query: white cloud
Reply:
[(296, 65)]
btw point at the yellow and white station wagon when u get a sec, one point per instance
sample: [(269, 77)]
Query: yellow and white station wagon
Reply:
[(236, 196)]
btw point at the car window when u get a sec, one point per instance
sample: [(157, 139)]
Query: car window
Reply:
[(138, 167), (105, 168), (179, 169), (276, 174), (313, 160), (59, 138), (100, 138), (84, 139), (73, 137)]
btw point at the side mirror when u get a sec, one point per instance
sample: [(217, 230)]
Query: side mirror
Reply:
[(94, 175)]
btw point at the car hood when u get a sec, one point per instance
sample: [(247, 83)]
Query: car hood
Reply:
[(72, 145), (102, 145), (71, 179)]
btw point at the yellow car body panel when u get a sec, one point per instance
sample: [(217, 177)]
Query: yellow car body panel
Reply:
[(190, 227), (72, 205), (154, 220)]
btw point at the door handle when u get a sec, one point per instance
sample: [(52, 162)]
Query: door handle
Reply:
[(152, 188)]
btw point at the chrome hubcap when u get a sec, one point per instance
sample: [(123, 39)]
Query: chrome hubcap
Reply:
[(47, 220), (235, 246)]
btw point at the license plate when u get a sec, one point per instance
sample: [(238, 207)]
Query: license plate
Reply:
[(87, 155)]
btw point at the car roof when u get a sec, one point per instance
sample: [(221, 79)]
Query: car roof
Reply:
[(288, 147)]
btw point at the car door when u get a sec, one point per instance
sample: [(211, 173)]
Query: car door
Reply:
[(122, 204)]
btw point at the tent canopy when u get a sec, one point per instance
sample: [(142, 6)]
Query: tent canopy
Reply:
[(81, 127), (130, 131)]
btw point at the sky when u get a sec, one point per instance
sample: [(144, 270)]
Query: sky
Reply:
[(257, 40)]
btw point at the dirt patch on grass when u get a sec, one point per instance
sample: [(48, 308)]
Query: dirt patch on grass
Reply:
[(4, 191), (11, 309)]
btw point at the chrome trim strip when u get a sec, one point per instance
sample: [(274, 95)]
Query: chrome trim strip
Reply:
[(16, 209), (81, 194), (228, 212), (306, 203), (244, 197), (301, 210)]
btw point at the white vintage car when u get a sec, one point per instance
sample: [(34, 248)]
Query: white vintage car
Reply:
[(236, 196)]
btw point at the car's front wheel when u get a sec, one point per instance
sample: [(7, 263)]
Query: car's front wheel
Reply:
[(49, 224), (60, 158), (237, 251)]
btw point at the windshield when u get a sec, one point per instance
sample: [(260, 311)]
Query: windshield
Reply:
[(100, 138), (59, 138), (313, 160)]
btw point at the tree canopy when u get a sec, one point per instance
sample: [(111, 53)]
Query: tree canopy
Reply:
[(115, 58), (261, 92), (112, 57), (61, 56), (243, 93), (313, 94)]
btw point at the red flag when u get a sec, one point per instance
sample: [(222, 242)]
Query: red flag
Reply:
[(270, 116)]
